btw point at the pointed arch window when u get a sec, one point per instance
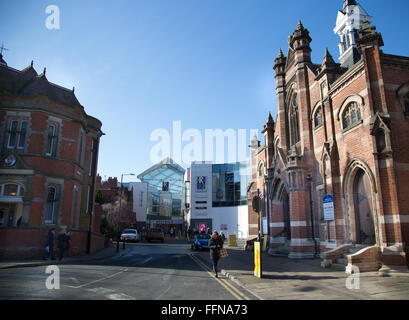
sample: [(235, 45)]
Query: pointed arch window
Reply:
[(294, 121), (351, 116), (318, 118), (406, 103)]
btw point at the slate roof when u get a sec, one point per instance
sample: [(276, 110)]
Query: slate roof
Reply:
[(28, 83)]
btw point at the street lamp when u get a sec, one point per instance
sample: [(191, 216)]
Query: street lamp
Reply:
[(119, 216)]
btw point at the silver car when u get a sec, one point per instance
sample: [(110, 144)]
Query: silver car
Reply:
[(130, 235)]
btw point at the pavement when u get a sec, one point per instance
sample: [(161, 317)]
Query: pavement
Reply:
[(305, 279), (282, 279), (103, 254)]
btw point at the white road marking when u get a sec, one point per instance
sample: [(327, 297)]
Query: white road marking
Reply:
[(119, 296), (147, 260), (99, 280), (101, 290)]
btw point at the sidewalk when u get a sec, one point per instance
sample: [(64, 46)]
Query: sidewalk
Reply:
[(100, 255), (289, 279)]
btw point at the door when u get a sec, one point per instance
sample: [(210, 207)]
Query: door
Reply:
[(364, 220)]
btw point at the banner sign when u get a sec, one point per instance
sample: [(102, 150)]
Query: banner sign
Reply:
[(328, 204), (265, 225), (257, 261), (232, 240)]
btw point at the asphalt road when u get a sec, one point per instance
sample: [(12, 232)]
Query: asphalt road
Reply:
[(146, 272)]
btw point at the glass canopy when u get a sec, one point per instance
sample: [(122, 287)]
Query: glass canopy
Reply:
[(165, 189)]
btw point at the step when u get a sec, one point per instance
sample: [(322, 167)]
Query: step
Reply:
[(343, 261)]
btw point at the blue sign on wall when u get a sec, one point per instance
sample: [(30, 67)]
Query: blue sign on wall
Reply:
[(328, 204)]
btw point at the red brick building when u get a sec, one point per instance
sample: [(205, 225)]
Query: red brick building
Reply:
[(342, 129), (48, 164)]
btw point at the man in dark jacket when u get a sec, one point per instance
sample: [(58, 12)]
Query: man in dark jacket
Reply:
[(62, 242), (50, 245), (215, 244)]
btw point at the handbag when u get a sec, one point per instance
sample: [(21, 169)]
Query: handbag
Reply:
[(223, 253)]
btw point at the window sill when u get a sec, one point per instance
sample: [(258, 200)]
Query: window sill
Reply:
[(351, 128)]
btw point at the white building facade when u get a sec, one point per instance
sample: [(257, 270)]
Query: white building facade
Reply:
[(218, 197)]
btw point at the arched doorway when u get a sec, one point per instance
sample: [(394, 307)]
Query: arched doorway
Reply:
[(363, 205)]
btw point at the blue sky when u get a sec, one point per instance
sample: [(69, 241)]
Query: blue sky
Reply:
[(139, 65)]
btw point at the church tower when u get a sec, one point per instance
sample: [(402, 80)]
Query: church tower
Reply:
[(349, 21)]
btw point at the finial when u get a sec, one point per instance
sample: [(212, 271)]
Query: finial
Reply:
[(300, 26), (45, 70), (2, 48), (73, 89), (32, 62), (280, 53)]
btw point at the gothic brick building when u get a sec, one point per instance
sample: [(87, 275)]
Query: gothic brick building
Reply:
[(48, 164), (342, 129)]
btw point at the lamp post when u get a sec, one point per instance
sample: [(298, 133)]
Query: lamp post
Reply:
[(119, 216)]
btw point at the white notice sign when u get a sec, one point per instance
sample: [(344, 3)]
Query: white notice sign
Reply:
[(328, 204)]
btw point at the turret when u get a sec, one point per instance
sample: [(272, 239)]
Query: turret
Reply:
[(349, 21)]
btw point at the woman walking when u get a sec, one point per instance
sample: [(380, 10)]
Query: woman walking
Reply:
[(215, 244)]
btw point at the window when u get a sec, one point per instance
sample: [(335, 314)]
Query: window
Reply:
[(351, 116), (80, 147), (293, 121), (406, 103), (75, 209), (17, 134), (318, 118), (12, 190), (261, 170), (51, 206), (90, 159), (51, 140)]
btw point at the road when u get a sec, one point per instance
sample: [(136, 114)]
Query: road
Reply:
[(151, 271)]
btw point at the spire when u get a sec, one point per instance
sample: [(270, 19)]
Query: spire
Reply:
[(328, 60)]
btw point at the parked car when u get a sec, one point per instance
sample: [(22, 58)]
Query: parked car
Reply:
[(130, 235), (200, 242), (155, 234)]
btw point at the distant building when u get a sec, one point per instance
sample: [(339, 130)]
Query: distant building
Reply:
[(139, 192), (341, 132), (49, 154), (165, 195), (218, 197)]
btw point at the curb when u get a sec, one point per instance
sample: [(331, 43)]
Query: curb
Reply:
[(56, 262), (226, 274)]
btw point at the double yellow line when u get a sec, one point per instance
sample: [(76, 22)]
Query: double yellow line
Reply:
[(223, 282)]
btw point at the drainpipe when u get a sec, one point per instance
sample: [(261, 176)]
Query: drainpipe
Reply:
[(309, 179)]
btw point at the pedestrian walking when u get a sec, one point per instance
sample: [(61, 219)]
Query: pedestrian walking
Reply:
[(62, 242), (222, 236), (215, 244), (49, 247), (189, 234), (67, 242)]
